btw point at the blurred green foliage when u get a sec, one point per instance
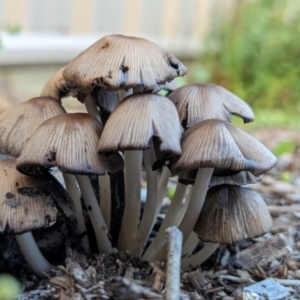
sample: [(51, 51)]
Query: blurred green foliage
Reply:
[(256, 54), (284, 147)]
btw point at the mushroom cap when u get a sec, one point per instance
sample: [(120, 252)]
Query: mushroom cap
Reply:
[(19, 122), (68, 142), (121, 62), (198, 102), (137, 119), (28, 203), (240, 178), (58, 87), (231, 214), (218, 144)]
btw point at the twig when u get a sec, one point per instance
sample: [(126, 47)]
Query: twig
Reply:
[(174, 244)]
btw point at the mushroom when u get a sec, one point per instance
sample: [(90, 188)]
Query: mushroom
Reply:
[(144, 120), (69, 142), (121, 62), (198, 102), (230, 214), (28, 203)]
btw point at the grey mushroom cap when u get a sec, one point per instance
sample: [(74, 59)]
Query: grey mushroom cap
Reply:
[(231, 214), (218, 144), (19, 122), (69, 142), (121, 62), (137, 119), (28, 203), (198, 102)]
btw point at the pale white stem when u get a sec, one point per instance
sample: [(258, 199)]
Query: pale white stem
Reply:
[(131, 215), (194, 207), (190, 244), (147, 221), (173, 209), (101, 232), (196, 202), (174, 242), (33, 255), (91, 107), (73, 191), (199, 257), (162, 187), (105, 198)]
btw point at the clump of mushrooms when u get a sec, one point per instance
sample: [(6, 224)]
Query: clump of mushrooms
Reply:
[(186, 133)]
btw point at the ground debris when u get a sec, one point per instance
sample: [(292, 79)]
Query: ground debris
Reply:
[(263, 253), (270, 289)]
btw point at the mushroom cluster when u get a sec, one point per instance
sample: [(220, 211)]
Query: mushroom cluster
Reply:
[(130, 128)]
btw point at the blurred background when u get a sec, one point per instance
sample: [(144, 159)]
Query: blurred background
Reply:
[(251, 47)]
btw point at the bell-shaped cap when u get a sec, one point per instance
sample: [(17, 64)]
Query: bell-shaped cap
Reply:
[(69, 142), (231, 214), (121, 62), (198, 102), (240, 178), (19, 122), (28, 203), (218, 144), (137, 119)]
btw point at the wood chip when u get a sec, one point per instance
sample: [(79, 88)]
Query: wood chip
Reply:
[(198, 280), (262, 253)]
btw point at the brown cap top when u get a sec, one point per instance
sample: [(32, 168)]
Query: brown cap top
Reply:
[(218, 144), (19, 122), (121, 62), (231, 214), (69, 142), (137, 119), (27, 203), (199, 102), (58, 87)]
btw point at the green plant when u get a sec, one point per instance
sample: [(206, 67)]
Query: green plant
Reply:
[(256, 54)]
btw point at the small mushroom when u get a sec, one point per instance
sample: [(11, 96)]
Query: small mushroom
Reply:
[(26, 204), (231, 213), (144, 125), (198, 102)]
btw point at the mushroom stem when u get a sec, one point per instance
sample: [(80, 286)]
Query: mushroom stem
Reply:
[(194, 208), (104, 181), (162, 187), (105, 198), (91, 106), (199, 257), (72, 189), (190, 244), (172, 212), (174, 242), (33, 255), (147, 221), (101, 232), (196, 201), (131, 215)]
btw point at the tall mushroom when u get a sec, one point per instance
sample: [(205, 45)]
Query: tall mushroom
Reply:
[(70, 142)]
